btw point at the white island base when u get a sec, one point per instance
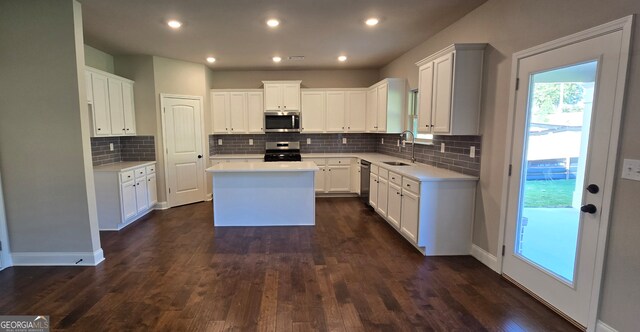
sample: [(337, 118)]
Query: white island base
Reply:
[(264, 194)]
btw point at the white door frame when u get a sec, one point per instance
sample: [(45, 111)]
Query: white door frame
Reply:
[(625, 25), (5, 254), (204, 136)]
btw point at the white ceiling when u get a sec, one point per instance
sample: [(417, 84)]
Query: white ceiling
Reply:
[(235, 33)]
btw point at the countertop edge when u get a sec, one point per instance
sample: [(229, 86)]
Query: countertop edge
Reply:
[(113, 166)]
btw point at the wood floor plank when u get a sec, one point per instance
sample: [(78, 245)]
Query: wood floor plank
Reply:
[(172, 271)]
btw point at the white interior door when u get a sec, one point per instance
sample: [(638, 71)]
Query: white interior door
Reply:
[(182, 119), (563, 128)]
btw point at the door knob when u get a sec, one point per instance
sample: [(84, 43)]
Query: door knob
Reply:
[(589, 208), (199, 156), (593, 188)]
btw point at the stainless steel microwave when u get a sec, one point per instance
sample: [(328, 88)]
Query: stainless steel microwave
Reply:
[(282, 122)]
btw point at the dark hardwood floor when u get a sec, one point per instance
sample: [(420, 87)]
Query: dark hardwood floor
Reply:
[(351, 272)]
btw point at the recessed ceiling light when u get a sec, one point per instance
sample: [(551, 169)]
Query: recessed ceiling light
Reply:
[(277, 59), (273, 22), (174, 24), (211, 59), (342, 58), (371, 21)]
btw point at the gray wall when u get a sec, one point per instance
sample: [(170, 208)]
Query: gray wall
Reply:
[(355, 78), (510, 26), (97, 59), (44, 129)]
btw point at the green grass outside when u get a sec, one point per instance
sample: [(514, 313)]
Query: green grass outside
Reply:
[(549, 193)]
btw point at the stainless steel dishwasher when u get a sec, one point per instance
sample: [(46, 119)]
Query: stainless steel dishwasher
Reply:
[(365, 168)]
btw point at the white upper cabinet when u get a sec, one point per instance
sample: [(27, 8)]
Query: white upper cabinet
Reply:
[(282, 95), (255, 112), (335, 111), (450, 87), (356, 102), (237, 111), (385, 106), (313, 111), (112, 103)]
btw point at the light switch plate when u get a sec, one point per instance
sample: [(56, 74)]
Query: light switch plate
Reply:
[(442, 147), (631, 169), (308, 141), (251, 141), (344, 140), (219, 141), (110, 146), (472, 152)]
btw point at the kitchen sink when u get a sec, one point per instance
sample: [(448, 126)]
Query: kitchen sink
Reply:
[(395, 163)]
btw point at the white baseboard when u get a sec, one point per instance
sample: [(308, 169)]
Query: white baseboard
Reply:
[(208, 197), (602, 327), (484, 257), (57, 258), (161, 206)]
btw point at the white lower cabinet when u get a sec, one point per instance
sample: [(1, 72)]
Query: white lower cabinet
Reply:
[(435, 216), (394, 205), (320, 179), (335, 175), (123, 196)]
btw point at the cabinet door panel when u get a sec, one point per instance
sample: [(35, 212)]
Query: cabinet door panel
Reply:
[(129, 207), (255, 112), (373, 190), (89, 86), (116, 107), (219, 105), (237, 112), (372, 110), (383, 90), (335, 111), (442, 84), (152, 190), (394, 205), (356, 110), (128, 108), (142, 202), (273, 97), (425, 98), (320, 179), (101, 120), (383, 190), (313, 110), (291, 97), (339, 178), (409, 223)]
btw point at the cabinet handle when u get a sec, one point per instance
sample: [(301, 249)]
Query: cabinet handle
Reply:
[(99, 128), (127, 129)]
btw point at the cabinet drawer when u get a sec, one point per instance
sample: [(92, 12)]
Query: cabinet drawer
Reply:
[(126, 176), (395, 178), (374, 169), (319, 161), (151, 169), (383, 173), (339, 161), (411, 185), (140, 172)]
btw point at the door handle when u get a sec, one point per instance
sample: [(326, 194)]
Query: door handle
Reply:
[(593, 188), (199, 156), (589, 208)]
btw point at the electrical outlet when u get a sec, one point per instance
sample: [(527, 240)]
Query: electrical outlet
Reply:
[(472, 152), (219, 141), (631, 169), (251, 141), (382, 141), (344, 140), (308, 141), (442, 147), (404, 143), (110, 146)]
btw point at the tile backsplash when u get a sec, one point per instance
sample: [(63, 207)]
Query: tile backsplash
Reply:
[(456, 155), (125, 148)]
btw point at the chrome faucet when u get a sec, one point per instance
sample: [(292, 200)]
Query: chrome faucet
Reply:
[(413, 144)]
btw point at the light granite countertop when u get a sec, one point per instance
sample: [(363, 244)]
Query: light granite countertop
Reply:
[(122, 166), (256, 167)]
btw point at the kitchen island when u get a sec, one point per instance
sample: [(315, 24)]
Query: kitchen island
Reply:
[(263, 194)]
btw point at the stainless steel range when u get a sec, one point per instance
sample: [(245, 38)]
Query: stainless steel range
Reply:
[(282, 151)]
